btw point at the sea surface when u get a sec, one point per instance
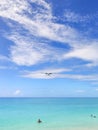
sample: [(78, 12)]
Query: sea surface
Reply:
[(55, 113)]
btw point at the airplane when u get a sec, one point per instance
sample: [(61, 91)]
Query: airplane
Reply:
[(48, 73)]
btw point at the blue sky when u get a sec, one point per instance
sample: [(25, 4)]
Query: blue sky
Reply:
[(48, 36)]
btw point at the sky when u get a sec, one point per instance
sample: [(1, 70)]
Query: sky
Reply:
[(59, 37)]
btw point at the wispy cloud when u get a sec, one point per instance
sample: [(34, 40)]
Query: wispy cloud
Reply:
[(41, 74), (34, 31), (81, 77), (73, 17), (40, 26), (32, 51), (59, 73), (17, 92), (86, 52)]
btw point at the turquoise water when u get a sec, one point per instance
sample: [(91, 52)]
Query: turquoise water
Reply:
[(55, 113)]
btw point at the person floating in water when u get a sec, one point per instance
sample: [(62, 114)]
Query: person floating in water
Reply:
[(39, 121), (93, 116)]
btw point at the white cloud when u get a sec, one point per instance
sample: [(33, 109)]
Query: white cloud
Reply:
[(59, 73), (33, 25), (41, 25), (41, 74), (85, 52), (82, 77), (74, 17), (17, 92), (32, 52)]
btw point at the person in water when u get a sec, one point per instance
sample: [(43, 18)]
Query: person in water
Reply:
[(39, 121), (93, 116)]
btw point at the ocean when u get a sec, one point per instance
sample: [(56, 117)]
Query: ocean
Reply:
[(55, 113)]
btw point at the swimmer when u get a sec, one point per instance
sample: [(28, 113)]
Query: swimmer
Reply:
[(39, 121)]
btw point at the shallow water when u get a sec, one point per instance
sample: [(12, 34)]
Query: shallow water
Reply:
[(55, 113)]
